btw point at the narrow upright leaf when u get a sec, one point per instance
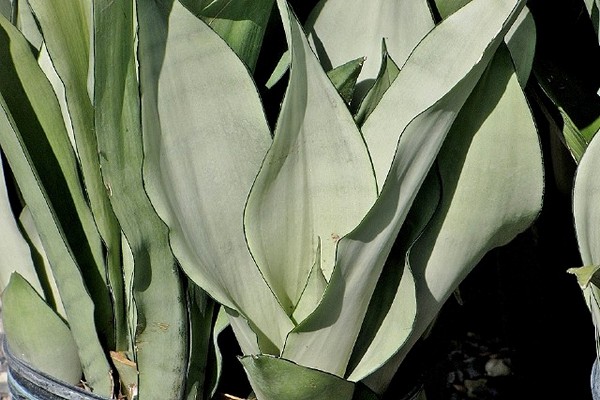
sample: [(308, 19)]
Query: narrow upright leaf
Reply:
[(67, 32), (78, 305), (387, 74), (162, 320), (32, 105)]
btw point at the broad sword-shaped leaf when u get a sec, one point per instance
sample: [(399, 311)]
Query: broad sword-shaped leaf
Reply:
[(479, 156), (413, 117), (316, 183), (205, 136)]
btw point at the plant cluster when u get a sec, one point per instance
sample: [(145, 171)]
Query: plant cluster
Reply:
[(151, 198)]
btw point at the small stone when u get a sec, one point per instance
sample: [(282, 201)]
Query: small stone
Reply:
[(497, 367)]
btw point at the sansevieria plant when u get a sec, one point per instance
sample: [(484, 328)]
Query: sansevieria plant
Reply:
[(150, 190)]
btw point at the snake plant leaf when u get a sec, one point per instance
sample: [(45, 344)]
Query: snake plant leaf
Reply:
[(387, 74), (317, 162), (6, 9), (586, 275), (36, 334), (521, 39), (78, 304), (43, 268), (586, 191), (275, 378), (202, 154), (432, 92), (313, 290), (280, 69), (162, 320), (15, 254), (445, 8), (201, 309), (220, 324), (593, 8), (128, 373), (433, 70), (477, 158), (241, 23), (27, 25), (59, 89), (66, 28), (33, 107), (392, 310), (586, 214), (333, 22), (345, 76)]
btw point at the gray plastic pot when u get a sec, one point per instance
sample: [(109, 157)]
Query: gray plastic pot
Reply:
[(27, 383), (595, 380)]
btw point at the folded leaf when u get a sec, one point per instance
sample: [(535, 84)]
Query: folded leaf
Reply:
[(432, 94), (317, 163), (477, 157), (205, 136)]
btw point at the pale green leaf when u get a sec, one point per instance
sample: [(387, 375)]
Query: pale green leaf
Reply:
[(387, 74), (15, 254), (586, 275), (162, 320), (276, 378), (574, 139), (593, 8), (313, 290), (342, 30), (521, 40), (586, 214), (448, 7), (201, 309), (6, 8), (280, 69), (392, 310), (431, 93), (241, 23), (35, 112), (317, 162), (205, 136), (477, 158), (42, 264), (78, 305), (65, 26), (27, 25), (586, 193), (36, 335), (344, 78)]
